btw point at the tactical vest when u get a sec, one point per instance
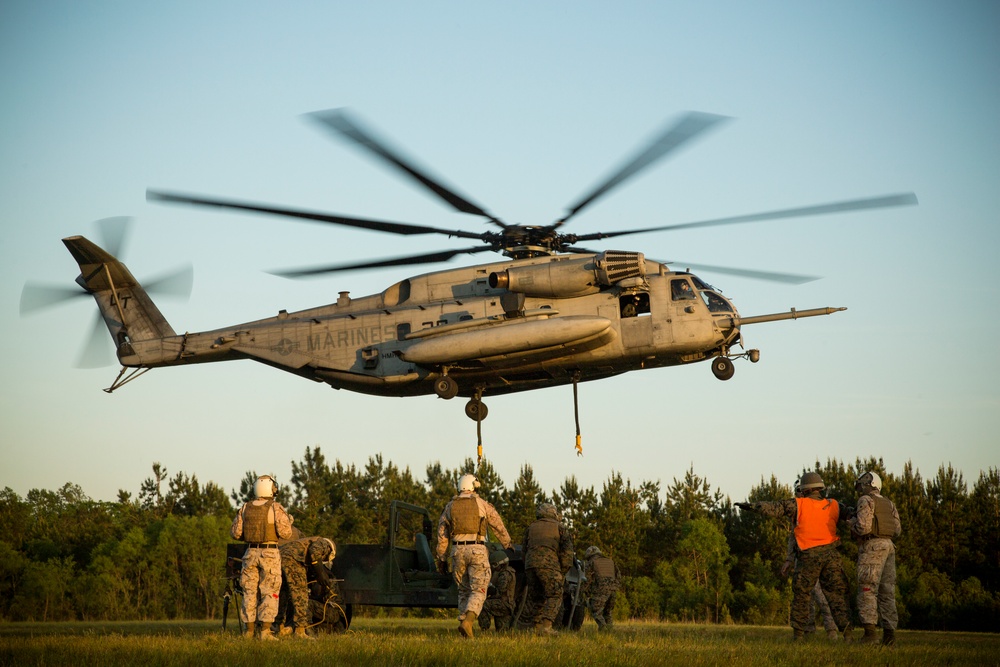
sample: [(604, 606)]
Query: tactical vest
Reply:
[(883, 523), (256, 527), (604, 567), (544, 534), (465, 517), (816, 523)]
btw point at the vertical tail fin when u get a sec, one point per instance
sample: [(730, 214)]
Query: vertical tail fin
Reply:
[(127, 310)]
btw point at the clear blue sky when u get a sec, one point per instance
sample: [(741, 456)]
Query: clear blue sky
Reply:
[(523, 107)]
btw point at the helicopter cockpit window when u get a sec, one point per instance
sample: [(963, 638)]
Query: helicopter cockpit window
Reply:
[(633, 305), (680, 289), (715, 303)]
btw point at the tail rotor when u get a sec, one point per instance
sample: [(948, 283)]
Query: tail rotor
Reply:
[(96, 351)]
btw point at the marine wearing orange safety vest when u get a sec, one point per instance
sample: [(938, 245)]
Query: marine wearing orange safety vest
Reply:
[(816, 522)]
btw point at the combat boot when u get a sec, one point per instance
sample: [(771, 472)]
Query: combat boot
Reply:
[(871, 634), (888, 637), (833, 635), (848, 629), (798, 635), (300, 633), (266, 634), (465, 627), (285, 630), (248, 633)]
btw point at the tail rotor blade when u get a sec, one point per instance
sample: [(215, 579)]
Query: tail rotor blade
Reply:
[(36, 296), (177, 283), (96, 351), (114, 233)]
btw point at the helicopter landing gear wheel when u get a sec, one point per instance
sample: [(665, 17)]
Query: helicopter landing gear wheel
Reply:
[(476, 410), (723, 368), (445, 387)]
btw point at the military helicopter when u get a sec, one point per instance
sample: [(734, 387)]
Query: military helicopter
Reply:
[(551, 313)]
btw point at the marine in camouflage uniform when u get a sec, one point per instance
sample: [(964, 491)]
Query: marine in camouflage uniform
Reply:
[(260, 523), (499, 605), (462, 534), (874, 527), (819, 601), (602, 580), (548, 555), (301, 560), (815, 519)]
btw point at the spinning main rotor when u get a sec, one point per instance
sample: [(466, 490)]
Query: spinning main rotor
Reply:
[(520, 241)]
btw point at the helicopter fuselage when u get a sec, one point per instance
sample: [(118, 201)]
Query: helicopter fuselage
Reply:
[(495, 328)]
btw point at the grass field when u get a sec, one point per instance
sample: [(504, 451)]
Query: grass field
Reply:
[(372, 642)]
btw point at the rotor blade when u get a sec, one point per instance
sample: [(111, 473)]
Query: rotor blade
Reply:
[(36, 296), (673, 138), (113, 233), (174, 283), (905, 199), (772, 276), (340, 122), (363, 223), (428, 258), (96, 351)]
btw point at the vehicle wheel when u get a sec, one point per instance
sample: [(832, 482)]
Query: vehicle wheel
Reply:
[(723, 368), (476, 410), (445, 387)]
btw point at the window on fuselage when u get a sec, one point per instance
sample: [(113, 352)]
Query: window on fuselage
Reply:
[(715, 303), (633, 305), (680, 289), (402, 330)]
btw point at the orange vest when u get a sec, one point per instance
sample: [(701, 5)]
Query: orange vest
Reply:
[(816, 523)]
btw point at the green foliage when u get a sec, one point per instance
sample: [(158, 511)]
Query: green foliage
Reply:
[(685, 552)]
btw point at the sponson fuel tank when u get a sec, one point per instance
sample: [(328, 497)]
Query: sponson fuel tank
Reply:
[(508, 338)]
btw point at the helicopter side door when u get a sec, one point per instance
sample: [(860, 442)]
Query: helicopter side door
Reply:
[(635, 312), (687, 314)]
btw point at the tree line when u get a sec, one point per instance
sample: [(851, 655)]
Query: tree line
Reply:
[(685, 552)]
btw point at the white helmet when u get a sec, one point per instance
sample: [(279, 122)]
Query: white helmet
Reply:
[(868, 480), (467, 482), (265, 487)]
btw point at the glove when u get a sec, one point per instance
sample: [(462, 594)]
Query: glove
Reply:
[(443, 566), (785, 567), (746, 507)]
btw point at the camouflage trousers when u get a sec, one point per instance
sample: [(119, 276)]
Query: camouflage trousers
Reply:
[(498, 611), (819, 603), (470, 565), (602, 604), (260, 578), (820, 564), (877, 583), (295, 590), (545, 591)]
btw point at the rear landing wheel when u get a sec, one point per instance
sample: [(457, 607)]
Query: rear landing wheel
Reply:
[(723, 368), (445, 387), (476, 410)]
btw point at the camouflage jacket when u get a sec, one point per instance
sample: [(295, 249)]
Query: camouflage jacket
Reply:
[(486, 510), (543, 557)]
